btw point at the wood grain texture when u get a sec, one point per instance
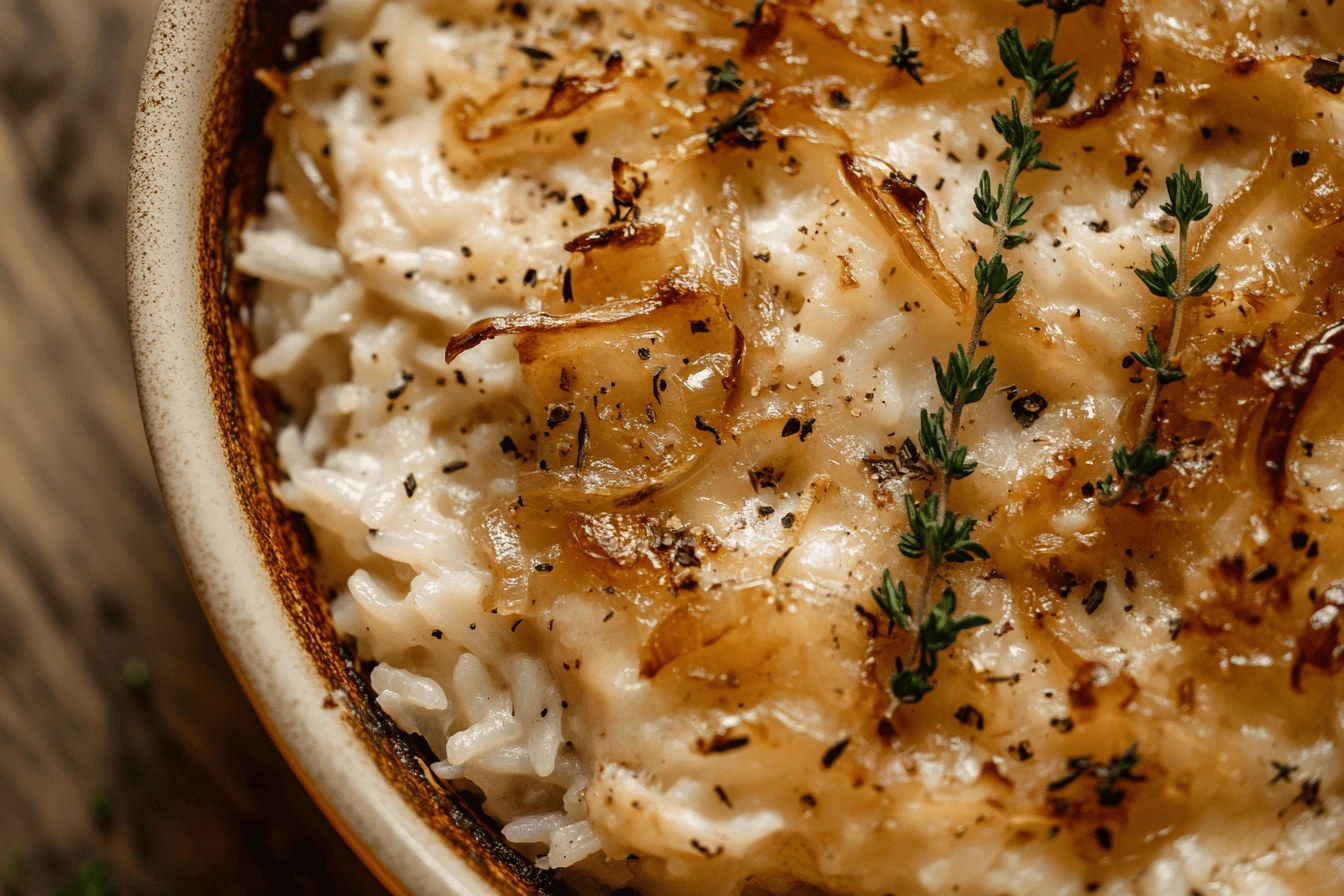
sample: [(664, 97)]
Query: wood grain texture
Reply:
[(201, 802)]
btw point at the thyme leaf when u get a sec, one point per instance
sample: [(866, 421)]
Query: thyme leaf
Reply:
[(892, 599), (1153, 360), (934, 441), (994, 285), (942, 537), (906, 58), (723, 78), (1036, 67), (910, 685), (961, 381), (1109, 774), (936, 634), (1134, 467), (1186, 200)]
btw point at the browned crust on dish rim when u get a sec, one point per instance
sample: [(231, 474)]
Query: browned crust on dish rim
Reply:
[(232, 187)]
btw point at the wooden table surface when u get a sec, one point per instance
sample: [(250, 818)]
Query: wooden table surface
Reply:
[(174, 785)]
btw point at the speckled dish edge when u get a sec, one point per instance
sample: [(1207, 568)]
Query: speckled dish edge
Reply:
[(195, 175)]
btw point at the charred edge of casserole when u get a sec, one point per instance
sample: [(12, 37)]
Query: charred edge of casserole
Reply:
[(233, 187)]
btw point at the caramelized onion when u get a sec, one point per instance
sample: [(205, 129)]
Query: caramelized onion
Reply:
[(569, 94), (679, 633), (1111, 99), (625, 236), (540, 322), (300, 160), (907, 217), (624, 541), (481, 136), (827, 47), (631, 258), (1324, 205), (514, 561), (699, 623), (1287, 403), (1239, 204), (628, 397)]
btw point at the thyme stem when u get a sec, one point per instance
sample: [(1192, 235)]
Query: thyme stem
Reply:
[(1169, 278), (1002, 227), (1148, 422), (925, 598), (937, 534)]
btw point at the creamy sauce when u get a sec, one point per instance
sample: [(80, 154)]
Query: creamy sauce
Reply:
[(639, 619)]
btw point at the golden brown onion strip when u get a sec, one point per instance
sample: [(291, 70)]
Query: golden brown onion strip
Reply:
[(541, 322), (904, 212), (1271, 455)]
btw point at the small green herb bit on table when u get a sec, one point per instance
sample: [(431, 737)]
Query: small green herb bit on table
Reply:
[(135, 672), (12, 868), (101, 807), (93, 879)]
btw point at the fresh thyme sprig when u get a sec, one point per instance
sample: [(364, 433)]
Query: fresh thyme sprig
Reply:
[(937, 534), (1169, 279), (905, 58)]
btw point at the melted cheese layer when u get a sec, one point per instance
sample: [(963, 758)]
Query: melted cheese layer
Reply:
[(614, 556)]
